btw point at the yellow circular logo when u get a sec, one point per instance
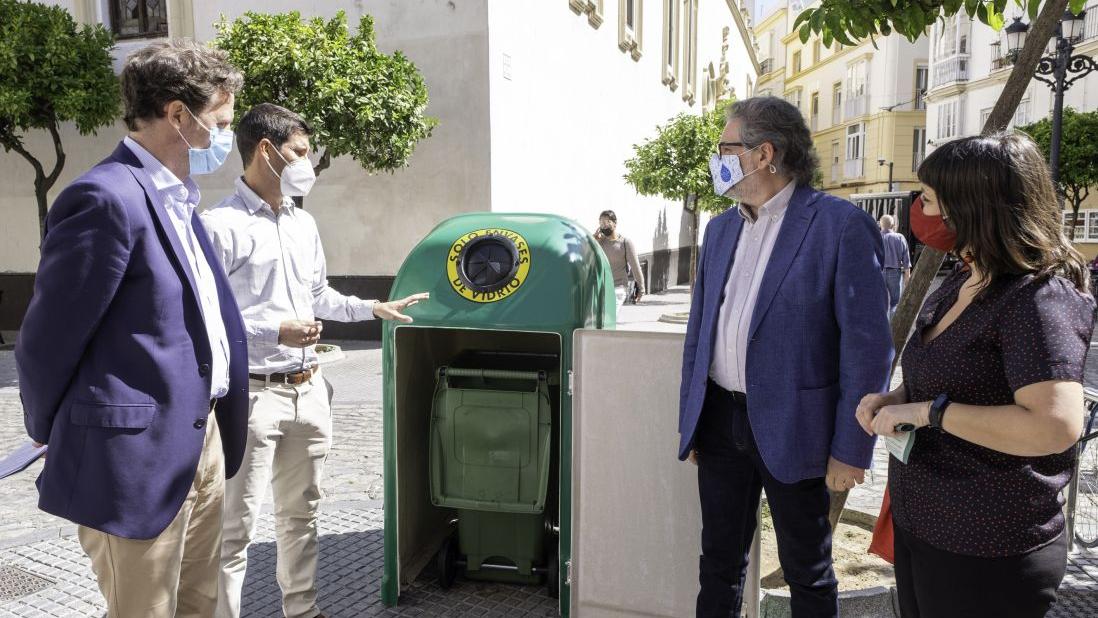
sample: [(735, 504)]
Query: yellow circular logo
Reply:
[(488, 265)]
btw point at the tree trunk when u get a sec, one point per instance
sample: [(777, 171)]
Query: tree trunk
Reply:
[(930, 260)]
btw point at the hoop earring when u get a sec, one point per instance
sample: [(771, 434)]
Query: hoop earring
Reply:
[(773, 170)]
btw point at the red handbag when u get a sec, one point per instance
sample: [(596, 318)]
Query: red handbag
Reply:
[(884, 534)]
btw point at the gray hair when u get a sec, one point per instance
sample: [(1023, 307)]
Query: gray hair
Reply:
[(779, 123), (175, 70), (888, 222)]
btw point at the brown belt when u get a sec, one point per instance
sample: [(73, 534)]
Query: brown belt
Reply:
[(291, 379)]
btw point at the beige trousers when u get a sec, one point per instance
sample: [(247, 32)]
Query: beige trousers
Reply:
[(289, 436), (174, 574)]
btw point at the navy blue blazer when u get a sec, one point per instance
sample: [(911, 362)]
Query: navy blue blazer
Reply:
[(114, 360), (819, 335)]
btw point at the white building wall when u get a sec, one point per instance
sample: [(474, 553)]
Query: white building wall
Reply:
[(565, 116)]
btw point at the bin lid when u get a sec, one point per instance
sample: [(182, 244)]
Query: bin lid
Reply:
[(510, 271)]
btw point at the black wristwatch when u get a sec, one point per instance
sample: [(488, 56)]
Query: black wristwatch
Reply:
[(937, 410)]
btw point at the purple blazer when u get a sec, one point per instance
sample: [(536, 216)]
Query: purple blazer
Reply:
[(819, 335), (114, 360)]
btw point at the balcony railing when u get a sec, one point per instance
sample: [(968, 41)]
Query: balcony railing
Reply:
[(950, 70), (766, 66), (855, 106), (853, 168)]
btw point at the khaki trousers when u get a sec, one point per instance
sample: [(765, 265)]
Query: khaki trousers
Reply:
[(174, 574), (289, 436)]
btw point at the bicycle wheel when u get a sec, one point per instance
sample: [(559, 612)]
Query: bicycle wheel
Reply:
[(1086, 505)]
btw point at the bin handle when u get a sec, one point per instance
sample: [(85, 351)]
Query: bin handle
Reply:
[(492, 374)]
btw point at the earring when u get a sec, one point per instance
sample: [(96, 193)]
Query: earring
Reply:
[(773, 170)]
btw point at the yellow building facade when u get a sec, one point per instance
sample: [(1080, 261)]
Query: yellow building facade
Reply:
[(865, 105)]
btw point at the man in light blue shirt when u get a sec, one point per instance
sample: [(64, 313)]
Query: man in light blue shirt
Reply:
[(897, 262)]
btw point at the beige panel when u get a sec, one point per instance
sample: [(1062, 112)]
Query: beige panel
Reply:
[(181, 19), (635, 506)]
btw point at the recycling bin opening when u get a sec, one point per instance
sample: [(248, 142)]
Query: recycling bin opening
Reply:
[(477, 426)]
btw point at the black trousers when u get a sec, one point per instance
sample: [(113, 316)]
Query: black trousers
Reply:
[(932, 583), (730, 477)]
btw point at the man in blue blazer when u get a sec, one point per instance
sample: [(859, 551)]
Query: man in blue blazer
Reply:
[(788, 330), (133, 336)]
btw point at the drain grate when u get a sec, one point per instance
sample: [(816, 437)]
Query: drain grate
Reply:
[(16, 583)]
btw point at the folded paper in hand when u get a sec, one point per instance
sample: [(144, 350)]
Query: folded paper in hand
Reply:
[(20, 458), (900, 447)]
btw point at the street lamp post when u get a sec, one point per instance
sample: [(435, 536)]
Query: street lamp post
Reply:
[(1059, 70), (890, 164)]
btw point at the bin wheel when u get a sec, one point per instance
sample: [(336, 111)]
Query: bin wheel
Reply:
[(553, 576), (447, 563)]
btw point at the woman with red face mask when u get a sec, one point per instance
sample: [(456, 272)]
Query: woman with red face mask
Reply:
[(992, 389)]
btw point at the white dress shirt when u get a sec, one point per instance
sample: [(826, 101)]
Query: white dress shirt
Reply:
[(277, 270), (180, 199), (741, 291)]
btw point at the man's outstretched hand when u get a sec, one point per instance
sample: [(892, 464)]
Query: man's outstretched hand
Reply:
[(394, 309)]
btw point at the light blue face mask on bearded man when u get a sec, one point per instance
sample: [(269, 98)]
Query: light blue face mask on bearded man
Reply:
[(726, 172)]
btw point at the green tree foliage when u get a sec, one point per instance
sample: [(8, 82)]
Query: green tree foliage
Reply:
[(360, 101), (849, 21), (1078, 153), (52, 71), (674, 164)]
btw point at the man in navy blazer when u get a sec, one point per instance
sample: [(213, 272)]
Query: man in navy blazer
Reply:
[(133, 336), (788, 330)]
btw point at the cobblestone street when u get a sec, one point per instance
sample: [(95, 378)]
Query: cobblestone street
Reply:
[(43, 571)]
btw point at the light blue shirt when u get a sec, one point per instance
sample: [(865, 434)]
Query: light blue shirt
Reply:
[(181, 199)]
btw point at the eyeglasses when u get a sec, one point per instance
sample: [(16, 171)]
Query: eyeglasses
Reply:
[(725, 148)]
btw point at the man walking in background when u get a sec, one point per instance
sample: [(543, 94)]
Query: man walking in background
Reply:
[(272, 253), (897, 262)]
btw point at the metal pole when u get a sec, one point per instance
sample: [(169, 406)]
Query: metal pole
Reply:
[(752, 592), (1072, 498), (890, 164), (1063, 54)]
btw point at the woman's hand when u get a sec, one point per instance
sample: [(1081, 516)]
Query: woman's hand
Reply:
[(873, 402), (917, 414)]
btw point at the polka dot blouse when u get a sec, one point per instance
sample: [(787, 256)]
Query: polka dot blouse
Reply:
[(965, 498)]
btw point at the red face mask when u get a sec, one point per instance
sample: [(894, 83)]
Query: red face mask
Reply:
[(931, 231)]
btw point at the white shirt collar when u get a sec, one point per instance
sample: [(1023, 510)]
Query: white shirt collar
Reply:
[(254, 203), (163, 179), (773, 207)]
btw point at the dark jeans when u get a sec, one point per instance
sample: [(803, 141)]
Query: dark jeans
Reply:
[(730, 476), (894, 281), (933, 583)]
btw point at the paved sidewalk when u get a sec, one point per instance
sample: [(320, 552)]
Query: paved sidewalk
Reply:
[(43, 572)]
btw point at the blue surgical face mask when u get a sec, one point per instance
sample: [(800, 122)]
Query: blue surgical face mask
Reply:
[(726, 172), (208, 160)]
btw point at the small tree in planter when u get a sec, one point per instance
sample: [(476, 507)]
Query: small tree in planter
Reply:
[(52, 71), (360, 102), (674, 165)]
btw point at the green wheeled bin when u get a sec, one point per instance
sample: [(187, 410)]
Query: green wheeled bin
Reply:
[(477, 400)]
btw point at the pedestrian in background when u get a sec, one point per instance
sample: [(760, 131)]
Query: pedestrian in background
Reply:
[(992, 384), (897, 262), (623, 259)]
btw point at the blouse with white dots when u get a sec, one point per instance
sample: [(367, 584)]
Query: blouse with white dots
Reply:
[(961, 497)]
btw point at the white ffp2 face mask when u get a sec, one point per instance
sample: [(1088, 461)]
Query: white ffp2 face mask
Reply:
[(297, 178), (726, 172)]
